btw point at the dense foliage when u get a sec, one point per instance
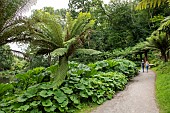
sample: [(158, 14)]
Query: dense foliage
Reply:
[(116, 29), (6, 58), (96, 82)]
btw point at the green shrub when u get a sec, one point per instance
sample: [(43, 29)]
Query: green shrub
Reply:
[(95, 83)]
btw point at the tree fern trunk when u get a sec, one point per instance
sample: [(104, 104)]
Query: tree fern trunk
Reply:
[(61, 72), (163, 54)]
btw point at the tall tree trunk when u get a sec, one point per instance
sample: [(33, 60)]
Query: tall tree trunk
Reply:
[(168, 55), (146, 55), (140, 56)]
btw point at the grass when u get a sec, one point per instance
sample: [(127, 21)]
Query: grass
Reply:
[(87, 108), (163, 87)]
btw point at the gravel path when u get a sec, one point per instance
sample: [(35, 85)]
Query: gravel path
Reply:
[(138, 97)]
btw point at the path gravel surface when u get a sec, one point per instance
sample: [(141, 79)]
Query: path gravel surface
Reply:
[(138, 97)]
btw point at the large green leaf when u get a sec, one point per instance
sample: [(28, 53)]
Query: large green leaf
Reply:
[(50, 109), (22, 98), (35, 103), (75, 99), (47, 103), (60, 96), (65, 103), (24, 108), (67, 90), (31, 91), (80, 86), (84, 94), (48, 85), (46, 93)]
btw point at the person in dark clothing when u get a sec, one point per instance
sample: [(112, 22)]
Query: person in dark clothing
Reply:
[(142, 65)]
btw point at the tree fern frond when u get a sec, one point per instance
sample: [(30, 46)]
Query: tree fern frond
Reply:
[(165, 25), (61, 72), (80, 23), (51, 25), (88, 51), (68, 27), (59, 52), (44, 44), (152, 4), (70, 42), (89, 25)]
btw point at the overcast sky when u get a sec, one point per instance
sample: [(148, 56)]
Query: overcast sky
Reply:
[(57, 4)]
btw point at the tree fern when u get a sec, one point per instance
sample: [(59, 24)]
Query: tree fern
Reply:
[(151, 3), (165, 25), (49, 35), (159, 41)]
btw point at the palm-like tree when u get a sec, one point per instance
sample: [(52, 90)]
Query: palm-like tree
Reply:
[(10, 26), (165, 25), (50, 35), (160, 41)]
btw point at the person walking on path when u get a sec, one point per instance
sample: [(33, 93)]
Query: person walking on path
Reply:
[(147, 66), (143, 65)]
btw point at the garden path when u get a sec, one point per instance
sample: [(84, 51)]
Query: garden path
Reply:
[(138, 97)]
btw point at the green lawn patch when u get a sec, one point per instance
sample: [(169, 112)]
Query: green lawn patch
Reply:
[(163, 87), (87, 108)]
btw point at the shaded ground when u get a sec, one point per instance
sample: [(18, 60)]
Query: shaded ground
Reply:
[(138, 97)]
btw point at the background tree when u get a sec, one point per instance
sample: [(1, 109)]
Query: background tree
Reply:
[(6, 58), (118, 25), (77, 6)]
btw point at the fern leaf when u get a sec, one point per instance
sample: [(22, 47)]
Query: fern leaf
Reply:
[(60, 74), (4, 88), (88, 51), (59, 52), (152, 3)]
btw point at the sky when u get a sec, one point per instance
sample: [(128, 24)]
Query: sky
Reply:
[(57, 4)]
